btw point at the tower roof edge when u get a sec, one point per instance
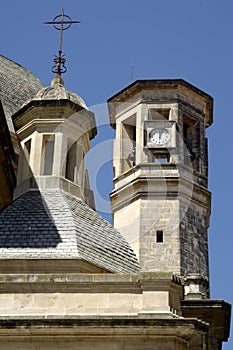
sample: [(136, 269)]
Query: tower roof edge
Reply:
[(137, 86)]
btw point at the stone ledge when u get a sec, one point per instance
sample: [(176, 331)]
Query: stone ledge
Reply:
[(89, 278), (98, 322), (91, 283)]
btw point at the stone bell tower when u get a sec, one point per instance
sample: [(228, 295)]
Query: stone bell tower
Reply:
[(160, 201)]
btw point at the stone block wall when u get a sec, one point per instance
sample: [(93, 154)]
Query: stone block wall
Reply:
[(194, 240), (159, 215)]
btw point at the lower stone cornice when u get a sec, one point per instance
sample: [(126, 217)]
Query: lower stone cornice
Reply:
[(170, 187), (98, 326)]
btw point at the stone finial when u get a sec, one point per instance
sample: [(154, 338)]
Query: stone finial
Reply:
[(57, 81), (196, 287)]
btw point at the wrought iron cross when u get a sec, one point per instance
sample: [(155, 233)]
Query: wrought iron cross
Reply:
[(61, 22)]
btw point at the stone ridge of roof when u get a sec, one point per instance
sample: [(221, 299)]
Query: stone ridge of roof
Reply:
[(52, 224)]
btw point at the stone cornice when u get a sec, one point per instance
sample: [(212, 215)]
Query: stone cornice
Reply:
[(159, 187), (55, 282), (179, 86), (97, 325)]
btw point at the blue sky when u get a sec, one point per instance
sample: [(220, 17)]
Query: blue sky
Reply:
[(164, 39)]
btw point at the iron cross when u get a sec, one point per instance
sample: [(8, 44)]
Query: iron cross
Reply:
[(61, 22)]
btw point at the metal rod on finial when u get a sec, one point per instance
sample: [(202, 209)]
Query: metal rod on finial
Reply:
[(132, 72)]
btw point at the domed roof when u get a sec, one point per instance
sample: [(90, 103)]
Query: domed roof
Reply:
[(17, 85), (57, 91)]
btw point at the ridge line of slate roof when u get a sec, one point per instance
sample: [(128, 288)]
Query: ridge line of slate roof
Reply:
[(98, 241)]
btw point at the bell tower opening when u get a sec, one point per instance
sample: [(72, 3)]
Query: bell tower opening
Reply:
[(128, 158), (26, 152), (71, 161), (47, 155), (158, 114), (189, 137)]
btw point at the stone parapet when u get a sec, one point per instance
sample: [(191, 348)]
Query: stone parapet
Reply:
[(90, 294)]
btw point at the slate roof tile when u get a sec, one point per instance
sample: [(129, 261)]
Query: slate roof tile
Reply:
[(54, 224), (17, 84)]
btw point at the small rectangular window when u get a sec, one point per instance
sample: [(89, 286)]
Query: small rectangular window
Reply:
[(159, 236), (128, 143)]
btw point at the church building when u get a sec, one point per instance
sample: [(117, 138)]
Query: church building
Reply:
[(68, 278)]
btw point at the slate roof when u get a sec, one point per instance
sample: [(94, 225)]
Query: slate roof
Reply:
[(17, 85), (52, 224)]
